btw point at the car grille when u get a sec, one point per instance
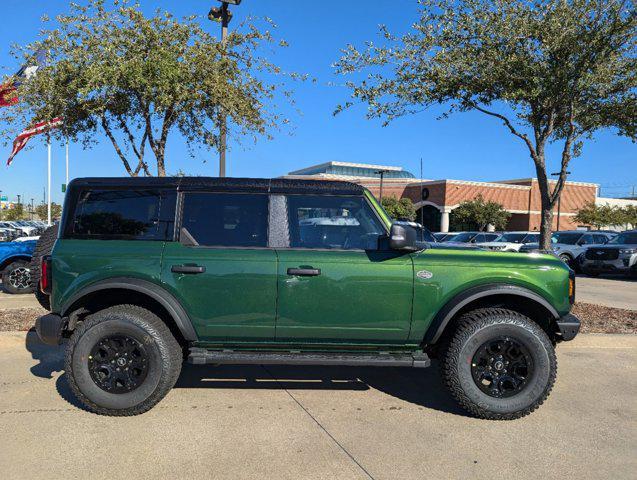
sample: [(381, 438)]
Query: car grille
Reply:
[(602, 254)]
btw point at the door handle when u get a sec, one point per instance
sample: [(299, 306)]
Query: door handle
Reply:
[(304, 272), (188, 269)]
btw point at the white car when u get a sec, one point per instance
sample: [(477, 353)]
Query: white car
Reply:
[(26, 229), (26, 239), (511, 241)]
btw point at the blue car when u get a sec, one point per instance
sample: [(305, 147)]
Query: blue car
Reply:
[(14, 266)]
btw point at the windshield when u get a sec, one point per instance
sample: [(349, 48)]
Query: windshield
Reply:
[(449, 237), (464, 237), (627, 238), (566, 238), (512, 237)]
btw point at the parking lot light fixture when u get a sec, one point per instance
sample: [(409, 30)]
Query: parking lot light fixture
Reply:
[(224, 15)]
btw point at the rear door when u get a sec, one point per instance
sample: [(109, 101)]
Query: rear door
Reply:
[(227, 278), (335, 285)]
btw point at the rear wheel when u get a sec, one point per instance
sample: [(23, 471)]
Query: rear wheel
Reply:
[(122, 361), (43, 248), (16, 277), (499, 364)]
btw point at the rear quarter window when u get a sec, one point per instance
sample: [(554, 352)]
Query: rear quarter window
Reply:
[(124, 214)]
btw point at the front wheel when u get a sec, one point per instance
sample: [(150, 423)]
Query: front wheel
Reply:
[(122, 361), (499, 364), (16, 277), (566, 259)]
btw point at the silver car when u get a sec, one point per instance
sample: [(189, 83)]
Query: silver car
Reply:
[(569, 244), (617, 256)]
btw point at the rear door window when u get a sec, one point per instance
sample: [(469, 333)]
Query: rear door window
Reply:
[(124, 214), (226, 219)]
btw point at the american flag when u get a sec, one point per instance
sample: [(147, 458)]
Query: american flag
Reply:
[(22, 139)]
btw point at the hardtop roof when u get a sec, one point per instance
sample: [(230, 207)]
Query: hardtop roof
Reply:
[(254, 185)]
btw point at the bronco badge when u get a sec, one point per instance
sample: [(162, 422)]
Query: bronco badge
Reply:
[(424, 274)]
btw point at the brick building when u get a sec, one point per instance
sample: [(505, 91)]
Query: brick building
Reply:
[(436, 199)]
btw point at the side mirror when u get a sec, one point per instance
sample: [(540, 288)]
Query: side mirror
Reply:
[(402, 237)]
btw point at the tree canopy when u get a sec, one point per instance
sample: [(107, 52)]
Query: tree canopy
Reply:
[(139, 78), (402, 209), (552, 71), (480, 213), (600, 216)]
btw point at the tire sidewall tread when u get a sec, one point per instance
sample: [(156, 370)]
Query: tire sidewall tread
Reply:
[(474, 329), (157, 338)]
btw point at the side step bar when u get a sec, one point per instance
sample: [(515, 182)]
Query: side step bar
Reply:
[(201, 356)]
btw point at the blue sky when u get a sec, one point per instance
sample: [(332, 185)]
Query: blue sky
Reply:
[(466, 146)]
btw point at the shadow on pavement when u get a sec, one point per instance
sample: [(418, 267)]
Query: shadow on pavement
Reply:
[(422, 387)]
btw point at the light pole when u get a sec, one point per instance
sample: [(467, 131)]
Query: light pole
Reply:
[(224, 15), (559, 201), (382, 175)]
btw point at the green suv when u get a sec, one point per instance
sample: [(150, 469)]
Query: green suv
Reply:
[(148, 271)]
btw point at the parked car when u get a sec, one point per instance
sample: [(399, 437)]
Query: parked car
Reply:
[(511, 241), (619, 255), (14, 266), (473, 238), (27, 230), (14, 230), (259, 271), (568, 245), (444, 236)]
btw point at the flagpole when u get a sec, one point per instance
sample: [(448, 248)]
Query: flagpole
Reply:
[(67, 163), (48, 208)]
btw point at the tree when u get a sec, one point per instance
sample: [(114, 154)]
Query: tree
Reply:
[(138, 79), (42, 213), (552, 71), (15, 213), (629, 216), (480, 213), (402, 209)]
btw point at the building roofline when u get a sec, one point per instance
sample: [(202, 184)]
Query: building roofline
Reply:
[(346, 164), (534, 179)]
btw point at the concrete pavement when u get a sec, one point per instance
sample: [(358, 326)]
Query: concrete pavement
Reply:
[(610, 291), (312, 423)]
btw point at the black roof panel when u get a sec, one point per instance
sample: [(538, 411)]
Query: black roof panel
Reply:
[(275, 185)]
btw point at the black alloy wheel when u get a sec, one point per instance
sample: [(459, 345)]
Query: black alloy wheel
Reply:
[(118, 364), (501, 367)]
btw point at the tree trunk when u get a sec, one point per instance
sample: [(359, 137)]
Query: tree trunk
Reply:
[(546, 227), (161, 168)]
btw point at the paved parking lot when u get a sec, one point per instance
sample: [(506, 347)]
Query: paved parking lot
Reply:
[(313, 423), (610, 291)]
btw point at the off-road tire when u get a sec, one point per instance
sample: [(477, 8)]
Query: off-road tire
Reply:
[(6, 280), (474, 329), (164, 362), (42, 248)]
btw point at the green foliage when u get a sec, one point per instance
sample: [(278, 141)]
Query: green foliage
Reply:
[(600, 216), (41, 211), (139, 78), (15, 213), (480, 213), (552, 71), (402, 209)]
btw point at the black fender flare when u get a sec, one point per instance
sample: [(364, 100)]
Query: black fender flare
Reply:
[(8, 261), (150, 289), (453, 306)]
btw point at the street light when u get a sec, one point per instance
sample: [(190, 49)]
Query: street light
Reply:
[(382, 175), (559, 200), (224, 15)]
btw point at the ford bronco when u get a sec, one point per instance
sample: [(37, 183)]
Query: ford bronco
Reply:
[(148, 272)]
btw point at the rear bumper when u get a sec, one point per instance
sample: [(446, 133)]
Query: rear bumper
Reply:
[(49, 328), (568, 326)]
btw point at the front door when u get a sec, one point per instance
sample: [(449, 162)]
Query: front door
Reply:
[(227, 283), (334, 283)]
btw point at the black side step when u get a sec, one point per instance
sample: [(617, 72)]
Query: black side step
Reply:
[(201, 356)]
